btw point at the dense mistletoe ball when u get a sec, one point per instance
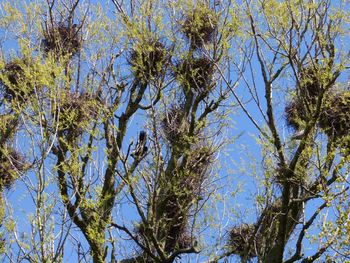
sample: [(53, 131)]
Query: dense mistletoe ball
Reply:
[(148, 59), (196, 73), (335, 118), (62, 39), (15, 80), (12, 163), (75, 113), (200, 25)]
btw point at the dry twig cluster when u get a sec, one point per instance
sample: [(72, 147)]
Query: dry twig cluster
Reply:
[(200, 25), (62, 39)]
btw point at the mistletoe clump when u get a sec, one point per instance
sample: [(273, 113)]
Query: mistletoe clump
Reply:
[(8, 126), (311, 84), (175, 125), (196, 169), (196, 74), (182, 191), (175, 201), (62, 39), (335, 118), (254, 240), (200, 25), (172, 219), (75, 113), (16, 81), (313, 81), (179, 237), (242, 240), (12, 163), (295, 113), (148, 59)]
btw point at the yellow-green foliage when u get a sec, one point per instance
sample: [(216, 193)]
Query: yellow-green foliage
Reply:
[(200, 24), (148, 58), (75, 112), (334, 118), (23, 78), (7, 124)]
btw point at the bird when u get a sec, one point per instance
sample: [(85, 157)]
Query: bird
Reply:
[(45, 45), (140, 148), (298, 135)]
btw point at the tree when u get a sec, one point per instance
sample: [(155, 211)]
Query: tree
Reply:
[(114, 124)]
